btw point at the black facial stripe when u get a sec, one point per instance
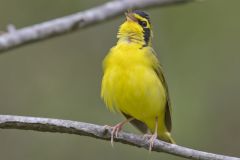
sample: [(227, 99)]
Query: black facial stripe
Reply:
[(142, 14), (142, 23), (146, 31), (147, 34)]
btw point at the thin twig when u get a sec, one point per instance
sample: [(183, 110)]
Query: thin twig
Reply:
[(100, 132), (63, 25)]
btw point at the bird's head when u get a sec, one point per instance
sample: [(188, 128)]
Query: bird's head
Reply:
[(137, 28)]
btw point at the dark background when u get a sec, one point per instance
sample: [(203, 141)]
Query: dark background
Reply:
[(198, 45)]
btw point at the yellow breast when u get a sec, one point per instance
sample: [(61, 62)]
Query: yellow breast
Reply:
[(130, 84)]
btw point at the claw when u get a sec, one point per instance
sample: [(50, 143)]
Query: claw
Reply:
[(151, 141), (115, 130), (147, 136)]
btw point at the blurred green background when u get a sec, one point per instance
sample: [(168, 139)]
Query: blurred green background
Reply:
[(197, 43)]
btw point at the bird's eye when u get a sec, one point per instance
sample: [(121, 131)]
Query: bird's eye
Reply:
[(143, 23)]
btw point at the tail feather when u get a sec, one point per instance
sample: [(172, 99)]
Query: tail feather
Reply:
[(167, 138), (171, 140)]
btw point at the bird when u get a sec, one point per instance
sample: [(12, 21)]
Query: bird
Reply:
[(133, 82)]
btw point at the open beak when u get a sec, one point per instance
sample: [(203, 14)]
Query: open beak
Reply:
[(130, 17)]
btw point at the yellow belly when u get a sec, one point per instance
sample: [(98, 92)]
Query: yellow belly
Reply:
[(130, 85)]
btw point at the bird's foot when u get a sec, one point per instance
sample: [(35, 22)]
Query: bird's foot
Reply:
[(117, 128), (114, 130), (147, 136), (151, 138)]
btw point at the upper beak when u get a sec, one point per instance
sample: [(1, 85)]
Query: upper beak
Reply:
[(130, 17)]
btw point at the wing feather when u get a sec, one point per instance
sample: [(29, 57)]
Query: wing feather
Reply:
[(168, 111)]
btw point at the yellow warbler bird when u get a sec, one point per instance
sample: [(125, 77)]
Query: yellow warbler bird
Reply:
[(133, 81)]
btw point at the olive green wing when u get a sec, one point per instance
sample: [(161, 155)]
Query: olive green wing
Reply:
[(158, 69), (168, 111)]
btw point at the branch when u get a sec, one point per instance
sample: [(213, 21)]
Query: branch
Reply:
[(100, 132), (60, 26)]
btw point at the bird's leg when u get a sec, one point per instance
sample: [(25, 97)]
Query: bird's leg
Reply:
[(153, 137), (117, 128)]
